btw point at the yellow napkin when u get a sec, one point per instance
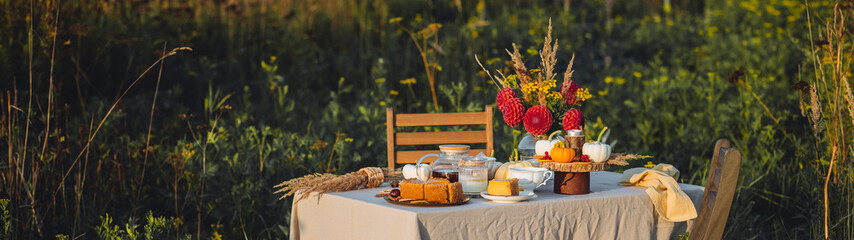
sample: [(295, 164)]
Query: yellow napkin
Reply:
[(669, 200)]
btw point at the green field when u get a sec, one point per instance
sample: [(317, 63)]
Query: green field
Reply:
[(101, 140)]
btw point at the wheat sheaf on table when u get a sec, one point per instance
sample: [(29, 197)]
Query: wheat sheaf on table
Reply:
[(369, 177)]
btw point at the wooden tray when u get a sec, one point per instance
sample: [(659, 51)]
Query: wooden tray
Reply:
[(574, 167), (425, 204)]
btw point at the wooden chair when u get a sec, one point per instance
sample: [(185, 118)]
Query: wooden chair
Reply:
[(720, 189), (435, 138)]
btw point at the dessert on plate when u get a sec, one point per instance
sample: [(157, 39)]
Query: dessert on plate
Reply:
[(507, 187), (434, 190)]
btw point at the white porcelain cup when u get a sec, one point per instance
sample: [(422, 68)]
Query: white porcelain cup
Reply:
[(531, 177)]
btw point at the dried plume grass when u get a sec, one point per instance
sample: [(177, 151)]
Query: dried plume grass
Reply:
[(815, 105), (548, 56), (548, 62), (622, 159), (567, 78), (849, 97), (521, 71)]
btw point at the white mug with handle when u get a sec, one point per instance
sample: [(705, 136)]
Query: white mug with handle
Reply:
[(531, 177)]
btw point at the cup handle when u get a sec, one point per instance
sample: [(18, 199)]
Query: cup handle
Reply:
[(550, 174), (425, 156)]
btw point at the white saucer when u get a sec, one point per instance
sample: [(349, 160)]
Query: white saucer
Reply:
[(528, 187), (523, 196)]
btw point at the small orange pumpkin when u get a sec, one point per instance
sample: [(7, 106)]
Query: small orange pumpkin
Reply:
[(561, 154)]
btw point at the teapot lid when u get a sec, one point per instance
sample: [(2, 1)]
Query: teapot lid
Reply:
[(454, 147)]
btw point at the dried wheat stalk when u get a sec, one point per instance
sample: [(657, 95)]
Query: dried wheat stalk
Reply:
[(323, 183), (290, 187), (622, 159)]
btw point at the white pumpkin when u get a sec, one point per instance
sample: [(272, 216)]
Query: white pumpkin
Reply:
[(597, 151), (545, 145), (503, 171), (495, 166), (420, 171)]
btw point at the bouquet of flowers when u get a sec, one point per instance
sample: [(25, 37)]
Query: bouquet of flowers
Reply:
[(534, 99)]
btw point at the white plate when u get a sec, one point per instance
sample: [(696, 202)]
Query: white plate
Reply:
[(528, 186), (523, 196)]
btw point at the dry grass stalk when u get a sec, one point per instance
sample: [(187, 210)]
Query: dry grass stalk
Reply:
[(849, 97), (548, 56), (622, 159), (567, 76), (113, 107), (521, 71), (494, 79), (815, 105), (502, 77), (831, 54)]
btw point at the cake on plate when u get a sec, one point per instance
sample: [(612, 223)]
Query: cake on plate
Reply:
[(508, 187), (412, 188), (434, 190)]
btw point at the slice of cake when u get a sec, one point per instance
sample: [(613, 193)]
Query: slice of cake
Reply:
[(412, 188), (455, 192), (436, 192), (509, 187)]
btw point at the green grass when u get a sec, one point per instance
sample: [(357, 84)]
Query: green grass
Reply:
[(274, 90)]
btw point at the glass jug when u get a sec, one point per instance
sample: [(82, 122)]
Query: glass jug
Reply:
[(449, 161), (474, 174)]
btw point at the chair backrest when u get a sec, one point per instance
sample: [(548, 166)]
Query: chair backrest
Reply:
[(435, 138), (720, 189)]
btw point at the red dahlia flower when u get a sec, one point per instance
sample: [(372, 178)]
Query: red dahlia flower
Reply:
[(538, 120)]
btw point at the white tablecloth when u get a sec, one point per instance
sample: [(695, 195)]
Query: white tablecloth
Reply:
[(610, 211)]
